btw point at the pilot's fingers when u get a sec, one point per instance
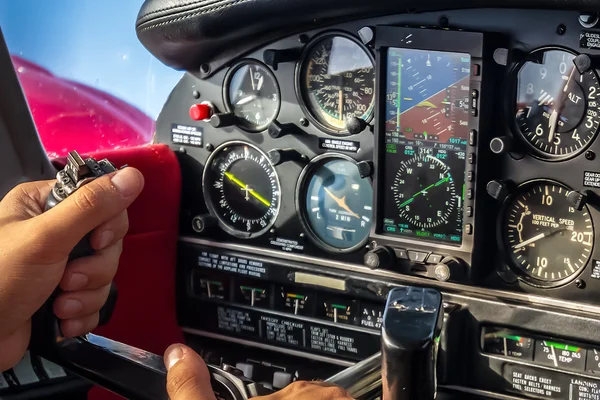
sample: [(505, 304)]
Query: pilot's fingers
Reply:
[(188, 377), (304, 390), (92, 272), (94, 204), (110, 232)]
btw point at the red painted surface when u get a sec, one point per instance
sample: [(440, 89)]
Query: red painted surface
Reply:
[(145, 314), (71, 115)]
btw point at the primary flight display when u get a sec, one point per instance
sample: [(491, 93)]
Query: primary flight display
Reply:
[(426, 131)]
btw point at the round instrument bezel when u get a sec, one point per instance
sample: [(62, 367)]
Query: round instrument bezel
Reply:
[(511, 106), (299, 74), (212, 208), (301, 191), (242, 123), (504, 248)]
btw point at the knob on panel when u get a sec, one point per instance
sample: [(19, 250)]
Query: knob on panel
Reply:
[(378, 257), (450, 267)]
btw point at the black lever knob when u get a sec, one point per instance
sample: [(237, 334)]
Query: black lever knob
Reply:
[(277, 129), (498, 190), (583, 63), (577, 199), (365, 169), (379, 256), (223, 120), (279, 156), (273, 57), (412, 324), (355, 125)]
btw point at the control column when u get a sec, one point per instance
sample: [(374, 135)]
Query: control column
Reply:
[(412, 324)]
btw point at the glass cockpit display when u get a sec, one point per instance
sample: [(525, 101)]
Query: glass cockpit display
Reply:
[(426, 129)]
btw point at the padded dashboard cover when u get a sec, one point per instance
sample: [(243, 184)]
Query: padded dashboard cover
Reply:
[(187, 33)]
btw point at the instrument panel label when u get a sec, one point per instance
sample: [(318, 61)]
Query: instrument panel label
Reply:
[(292, 333), (187, 135), (596, 269), (589, 40), (288, 245), (540, 384), (591, 179), (339, 145), (236, 265)]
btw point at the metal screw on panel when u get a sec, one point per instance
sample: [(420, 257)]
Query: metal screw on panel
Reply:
[(303, 38), (304, 122), (301, 236), (561, 29), (590, 155), (196, 94), (182, 150), (373, 244), (580, 283), (209, 147), (272, 231)]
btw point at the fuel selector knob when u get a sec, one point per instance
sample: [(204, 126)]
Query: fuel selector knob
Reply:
[(378, 257), (449, 267)]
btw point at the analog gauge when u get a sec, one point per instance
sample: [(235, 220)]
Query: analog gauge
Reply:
[(337, 309), (335, 203), (557, 113), (295, 300), (424, 191), (241, 189), (336, 82), (547, 241), (252, 94), (253, 293)]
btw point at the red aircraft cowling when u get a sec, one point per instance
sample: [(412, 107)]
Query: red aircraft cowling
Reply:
[(70, 115)]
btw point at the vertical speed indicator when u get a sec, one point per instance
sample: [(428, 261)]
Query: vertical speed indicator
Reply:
[(547, 240)]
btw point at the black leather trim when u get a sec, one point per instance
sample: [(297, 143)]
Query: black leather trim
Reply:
[(187, 33)]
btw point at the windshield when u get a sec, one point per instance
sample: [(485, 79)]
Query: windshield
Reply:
[(90, 84)]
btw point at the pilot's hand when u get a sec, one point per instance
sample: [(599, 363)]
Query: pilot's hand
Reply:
[(34, 248), (188, 379)]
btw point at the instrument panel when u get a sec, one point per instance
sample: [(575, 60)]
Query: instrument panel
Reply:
[(458, 155)]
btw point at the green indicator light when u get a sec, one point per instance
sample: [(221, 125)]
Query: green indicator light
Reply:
[(252, 289), (562, 346), (510, 337), (295, 296), (338, 306)]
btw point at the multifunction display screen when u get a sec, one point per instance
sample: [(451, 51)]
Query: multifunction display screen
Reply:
[(426, 130)]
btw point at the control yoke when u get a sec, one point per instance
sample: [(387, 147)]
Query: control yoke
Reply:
[(406, 366)]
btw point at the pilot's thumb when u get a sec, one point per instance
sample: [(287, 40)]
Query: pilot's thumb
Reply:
[(93, 204), (188, 377)]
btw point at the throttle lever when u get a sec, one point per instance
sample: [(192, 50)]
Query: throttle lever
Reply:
[(76, 173)]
